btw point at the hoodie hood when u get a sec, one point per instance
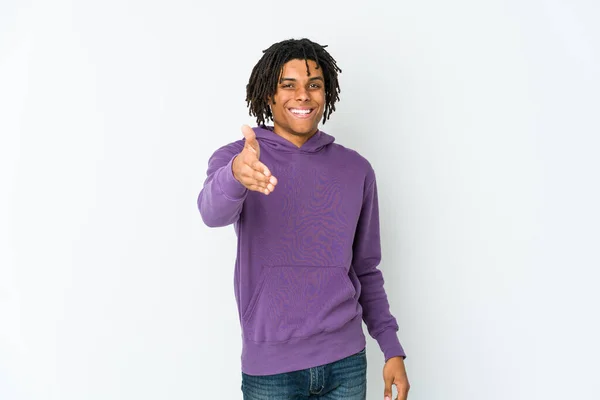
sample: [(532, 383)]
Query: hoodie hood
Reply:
[(266, 136)]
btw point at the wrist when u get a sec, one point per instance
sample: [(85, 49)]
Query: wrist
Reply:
[(231, 187), (234, 167)]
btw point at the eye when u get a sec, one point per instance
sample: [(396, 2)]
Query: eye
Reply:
[(315, 85), (287, 85)]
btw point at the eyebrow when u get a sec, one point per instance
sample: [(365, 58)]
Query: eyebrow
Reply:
[(314, 78)]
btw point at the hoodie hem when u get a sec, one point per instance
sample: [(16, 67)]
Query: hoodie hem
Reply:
[(296, 354)]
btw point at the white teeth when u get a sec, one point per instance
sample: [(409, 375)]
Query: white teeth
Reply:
[(300, 111)]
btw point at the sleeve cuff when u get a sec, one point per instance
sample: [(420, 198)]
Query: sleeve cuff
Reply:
[(230, 186), (390, 345)]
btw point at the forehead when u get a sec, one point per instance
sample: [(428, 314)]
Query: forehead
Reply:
[(297, 68)]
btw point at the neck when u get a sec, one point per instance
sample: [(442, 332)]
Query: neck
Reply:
[(297, 140)]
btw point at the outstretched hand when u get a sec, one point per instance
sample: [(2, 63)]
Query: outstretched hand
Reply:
[(394, 373), (248, 169)]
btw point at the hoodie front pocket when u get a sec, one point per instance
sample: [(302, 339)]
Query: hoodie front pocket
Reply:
[(299, 301)]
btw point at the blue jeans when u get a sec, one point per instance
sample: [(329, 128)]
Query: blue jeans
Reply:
[(344, 379)]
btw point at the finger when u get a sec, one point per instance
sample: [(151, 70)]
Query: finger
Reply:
[(252, 148), (248, 132), (402, 390), (387, 393), (250, 137), (259, 189), (260, 178), (249, 179), (260, 167), (250, 164), (254, 175)]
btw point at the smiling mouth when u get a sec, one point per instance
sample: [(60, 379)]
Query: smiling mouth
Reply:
[(301, 113)]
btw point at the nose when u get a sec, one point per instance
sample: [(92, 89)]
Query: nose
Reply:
[(302, 94)]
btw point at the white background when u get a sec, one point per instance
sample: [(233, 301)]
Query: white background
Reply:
[(480, 118)]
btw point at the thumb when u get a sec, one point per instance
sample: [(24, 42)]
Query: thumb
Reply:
[(250, 138), (387, 393)]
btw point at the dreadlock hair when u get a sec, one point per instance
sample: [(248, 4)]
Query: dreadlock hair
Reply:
[(267, 72)]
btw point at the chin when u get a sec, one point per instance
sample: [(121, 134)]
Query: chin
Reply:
[(303, 130)]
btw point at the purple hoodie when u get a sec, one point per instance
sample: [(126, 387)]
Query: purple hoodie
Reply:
[(306, 269)]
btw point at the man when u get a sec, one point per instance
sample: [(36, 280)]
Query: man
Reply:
[(305, 212)]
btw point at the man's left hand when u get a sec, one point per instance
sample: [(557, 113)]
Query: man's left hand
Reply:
[(394, 373)]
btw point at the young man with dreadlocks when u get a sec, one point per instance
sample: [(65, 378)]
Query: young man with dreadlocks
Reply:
[(306, 216)]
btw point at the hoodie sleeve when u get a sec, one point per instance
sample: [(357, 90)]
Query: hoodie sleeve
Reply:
[(382, 326), (222, 197)]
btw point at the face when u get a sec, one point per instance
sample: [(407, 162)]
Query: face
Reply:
[(299, 101)]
